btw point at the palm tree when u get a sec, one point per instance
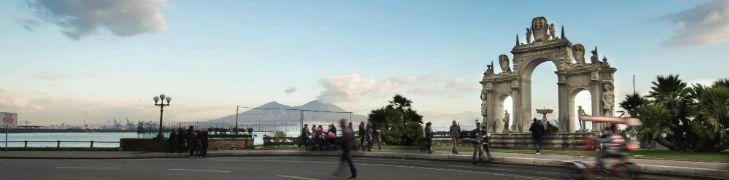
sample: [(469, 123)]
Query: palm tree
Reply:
[(632, 102), (713, 103)]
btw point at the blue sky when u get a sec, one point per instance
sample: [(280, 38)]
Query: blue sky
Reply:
[(212, 55)]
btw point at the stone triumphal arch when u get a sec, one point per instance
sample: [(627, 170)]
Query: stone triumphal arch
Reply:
[(543, 45)]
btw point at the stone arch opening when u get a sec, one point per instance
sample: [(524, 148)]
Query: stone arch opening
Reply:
[(580, 97), (542, 77), (504, 104), (528, 110)]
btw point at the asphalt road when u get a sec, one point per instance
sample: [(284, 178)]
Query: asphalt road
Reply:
[(270, 167)]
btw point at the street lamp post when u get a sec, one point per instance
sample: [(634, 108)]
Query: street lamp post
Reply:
[(236, 120), (161, 99)]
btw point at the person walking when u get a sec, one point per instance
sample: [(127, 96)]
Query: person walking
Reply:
[(368, 137), (180, 140), (191, 141), (477, 147), (379, 139), (304, 137), (429, 138), (537, 131), (346, 146), (172, 141), (205, 143), (361, 132), (455, 132)]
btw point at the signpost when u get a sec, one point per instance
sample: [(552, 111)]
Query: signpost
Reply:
[(9, 119)]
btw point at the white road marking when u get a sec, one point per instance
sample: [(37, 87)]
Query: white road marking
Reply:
[(101, 168), (296, 177), (200, 170)]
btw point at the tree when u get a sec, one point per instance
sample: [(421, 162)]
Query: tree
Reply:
[(632, 102), (680, 117), (400, 123)]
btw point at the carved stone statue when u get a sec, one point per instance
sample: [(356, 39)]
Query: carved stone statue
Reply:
[(506, 119), (552, 31), (490, 69), (529, 35), (540, 29), (578, 51), (504, 63), (484, 111), (608, 98), (580, 113), (594, 58)]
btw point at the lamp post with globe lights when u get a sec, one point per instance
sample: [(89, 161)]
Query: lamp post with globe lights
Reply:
[(161, 99)]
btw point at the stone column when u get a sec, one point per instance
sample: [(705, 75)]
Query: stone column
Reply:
[(563, 99), (596, 96), (518, 120)]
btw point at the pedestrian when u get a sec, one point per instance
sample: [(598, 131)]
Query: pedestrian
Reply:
[(379, 139), (368, 137), (172, 141), (429, 138), (180, 140), (191, 141), (346, 144), (205, 143), (198, 143), (477, 147), (304, 137), (361, 132), (455, 132), (537, 131), (485, 141)]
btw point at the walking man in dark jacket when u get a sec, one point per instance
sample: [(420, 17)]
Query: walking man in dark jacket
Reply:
[(191, 141), (455, 132), (347, 141), (477, 146), (537, 130), (362, 133)]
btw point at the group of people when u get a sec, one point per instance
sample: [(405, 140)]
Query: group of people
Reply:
[(316, 138), (194, 141), (477, 137)]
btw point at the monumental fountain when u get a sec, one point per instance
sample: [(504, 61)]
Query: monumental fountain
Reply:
[(574, 74)]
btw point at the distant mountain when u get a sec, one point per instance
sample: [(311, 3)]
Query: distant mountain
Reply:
[(277, 113)]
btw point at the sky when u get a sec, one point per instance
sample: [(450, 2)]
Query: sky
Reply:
[(74, 62)]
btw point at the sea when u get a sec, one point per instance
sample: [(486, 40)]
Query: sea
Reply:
[(101, 139)]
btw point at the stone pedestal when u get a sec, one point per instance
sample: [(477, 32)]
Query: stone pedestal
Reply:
[(549, 141)]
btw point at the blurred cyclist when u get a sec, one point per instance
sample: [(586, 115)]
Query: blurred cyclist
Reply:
[(614, 146)]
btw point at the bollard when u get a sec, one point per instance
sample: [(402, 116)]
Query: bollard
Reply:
[(58, 144), (26, 144), (92, 145)]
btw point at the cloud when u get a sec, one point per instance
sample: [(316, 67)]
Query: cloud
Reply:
[(453, 87), (27, 23), (342, 88), (705, 24), (347, 88), (80, 18), (290, 90)]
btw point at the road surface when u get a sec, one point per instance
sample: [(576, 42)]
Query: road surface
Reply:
[(270, 167)]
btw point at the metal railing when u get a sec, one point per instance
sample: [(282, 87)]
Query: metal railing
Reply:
[(58, 144)]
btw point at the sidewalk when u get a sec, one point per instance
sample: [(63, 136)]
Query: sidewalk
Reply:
[(711, 169)]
